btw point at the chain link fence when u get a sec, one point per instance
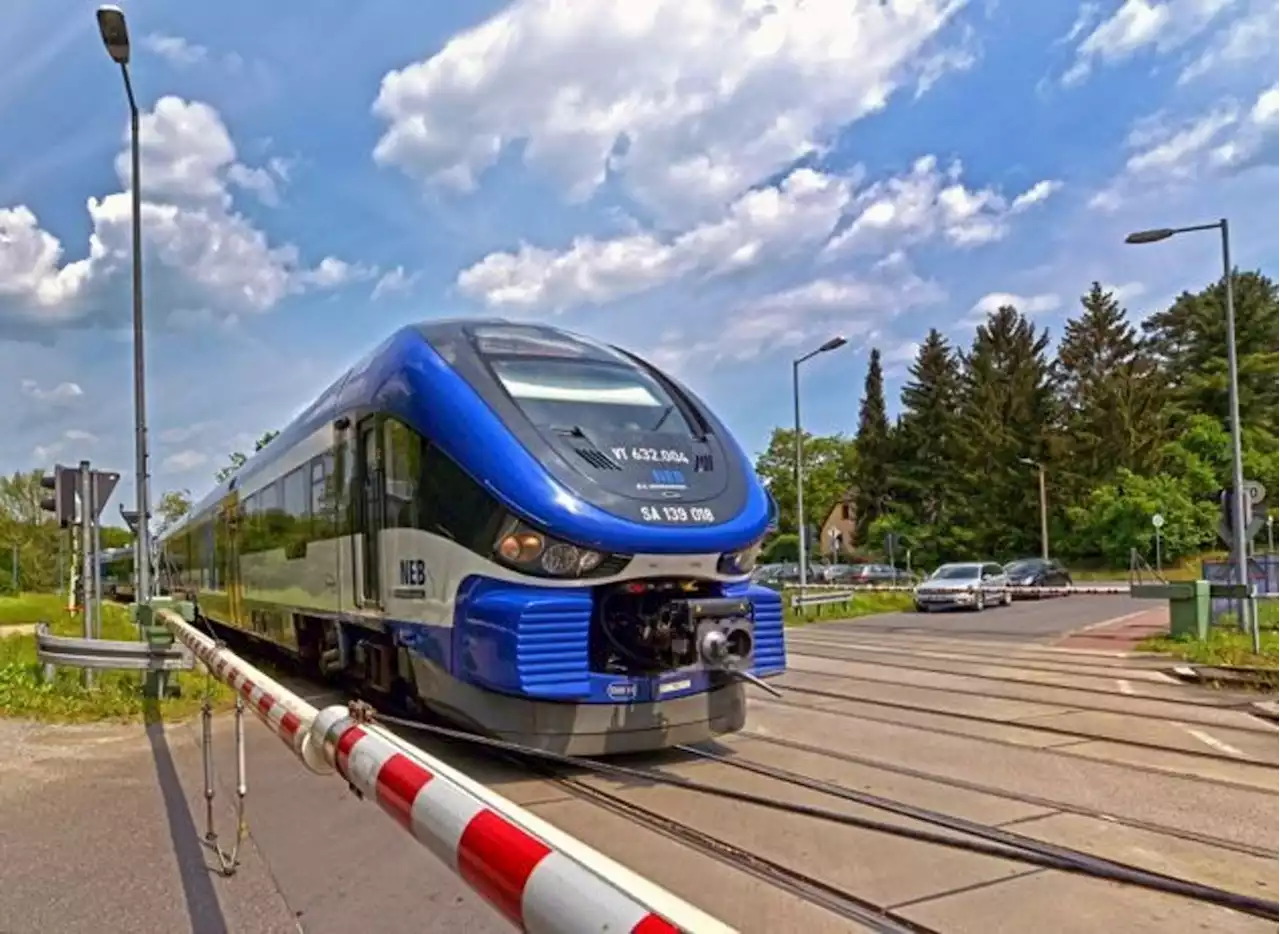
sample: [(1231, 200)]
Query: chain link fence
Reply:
[(1264, 574)]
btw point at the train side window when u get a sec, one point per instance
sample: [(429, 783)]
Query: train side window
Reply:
[(322, 504), (454, 505), (402, 461), (296, 499)]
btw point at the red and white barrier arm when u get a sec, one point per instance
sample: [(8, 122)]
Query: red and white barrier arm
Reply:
[(538, 877)]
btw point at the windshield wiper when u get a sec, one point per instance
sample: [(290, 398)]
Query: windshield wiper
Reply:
[(666, 413)]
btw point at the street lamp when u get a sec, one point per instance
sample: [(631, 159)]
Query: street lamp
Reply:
[(1233, 394), (115, 36), (833, 344), (1044, 507)]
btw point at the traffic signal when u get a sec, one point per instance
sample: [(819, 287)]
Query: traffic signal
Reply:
[(63, 501)]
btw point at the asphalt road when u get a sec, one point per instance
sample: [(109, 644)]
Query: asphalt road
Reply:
[(1025, 621)]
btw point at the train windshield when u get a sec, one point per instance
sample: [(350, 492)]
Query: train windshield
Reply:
[(591, 394)]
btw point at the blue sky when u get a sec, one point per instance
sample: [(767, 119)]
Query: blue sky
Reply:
[(720, 186)]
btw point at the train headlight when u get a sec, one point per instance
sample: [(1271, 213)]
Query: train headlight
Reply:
[(739, 562), (526, 549)]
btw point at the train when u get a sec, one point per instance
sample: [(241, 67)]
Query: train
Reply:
[(516, 528), (116, 573)]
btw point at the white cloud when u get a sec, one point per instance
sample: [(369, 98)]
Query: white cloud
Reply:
[(1247, 39), (175, 50), (61, 394), (687, 102), (394, 282), (200, 253), (1163, 25), (184, 461), (1125, 291), (763, 226), (1026, 304), (1225, 139), (71, 442), (855, 307), (928, 202)]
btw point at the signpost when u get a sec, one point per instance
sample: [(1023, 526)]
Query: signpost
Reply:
[(1157, 522), (891, 541)]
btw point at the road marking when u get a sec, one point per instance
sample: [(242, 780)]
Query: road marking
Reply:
[(1125, 686), (1214, 742)]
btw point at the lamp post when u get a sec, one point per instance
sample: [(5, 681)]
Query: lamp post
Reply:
[(1233, 395), (833, 344), (115, 36), (1044, 507)]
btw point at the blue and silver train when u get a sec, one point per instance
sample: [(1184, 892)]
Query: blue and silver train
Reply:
[(520, 529)]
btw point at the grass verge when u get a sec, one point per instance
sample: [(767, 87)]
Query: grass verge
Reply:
[(1226, 645), (116, 695), (862, 604)]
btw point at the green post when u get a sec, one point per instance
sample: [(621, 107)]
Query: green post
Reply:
[(1189, 610)]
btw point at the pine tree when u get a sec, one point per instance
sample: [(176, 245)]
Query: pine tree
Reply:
[(1111, 399), (924, 475), (1190, 341), (1007, 412), (872, 447)]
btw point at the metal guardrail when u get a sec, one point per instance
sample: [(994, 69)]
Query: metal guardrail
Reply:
[(55, 652)]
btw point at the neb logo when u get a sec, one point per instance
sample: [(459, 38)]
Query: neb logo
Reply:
[(413, 572), (668, 476)]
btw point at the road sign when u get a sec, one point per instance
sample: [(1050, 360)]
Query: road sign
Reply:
[(104, 484), (1158, 521), (1255, 512)]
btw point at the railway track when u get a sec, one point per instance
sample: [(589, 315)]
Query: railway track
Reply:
[(1083, 735), (919, 825)]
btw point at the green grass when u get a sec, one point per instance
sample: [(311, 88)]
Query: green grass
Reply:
[(862, 604), (1226, 645), (116, 695)]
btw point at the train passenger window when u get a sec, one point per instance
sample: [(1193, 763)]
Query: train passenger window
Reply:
[(297, 497), (594, 396), (402, 453)]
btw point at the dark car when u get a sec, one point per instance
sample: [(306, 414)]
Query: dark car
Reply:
[(1035, 572)]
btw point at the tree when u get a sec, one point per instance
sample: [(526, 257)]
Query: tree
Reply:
[(1007, 412), (173, 506), (924, 474), (1190, 341), (1113, 416), (1117, 517), (27, 532), (872, 446), (828, 473)]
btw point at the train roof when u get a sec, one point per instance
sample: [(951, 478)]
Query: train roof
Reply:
[(323, 409)]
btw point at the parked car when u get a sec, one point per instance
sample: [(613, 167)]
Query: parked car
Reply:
[(973, 585), (1035, 572), (882, 574)]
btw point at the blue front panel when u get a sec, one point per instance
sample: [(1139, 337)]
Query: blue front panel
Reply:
[(771, 649), (532, 641)]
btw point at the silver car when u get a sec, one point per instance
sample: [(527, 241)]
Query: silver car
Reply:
[(972, 585)]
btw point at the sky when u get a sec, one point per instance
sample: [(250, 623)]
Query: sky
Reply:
[(717, 186)]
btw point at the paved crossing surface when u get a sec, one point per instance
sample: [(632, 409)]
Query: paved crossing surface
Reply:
[(999, 718)]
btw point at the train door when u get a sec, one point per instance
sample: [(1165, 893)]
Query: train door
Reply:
[(372, 511)]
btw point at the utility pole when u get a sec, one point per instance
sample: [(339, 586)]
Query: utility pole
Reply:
[(832, 344)]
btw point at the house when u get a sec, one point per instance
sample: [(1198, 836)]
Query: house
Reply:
[(837, 532)]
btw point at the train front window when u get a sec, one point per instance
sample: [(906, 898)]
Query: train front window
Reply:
[(590, 395)]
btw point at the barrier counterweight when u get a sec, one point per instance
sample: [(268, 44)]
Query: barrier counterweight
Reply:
[(542, 880)]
